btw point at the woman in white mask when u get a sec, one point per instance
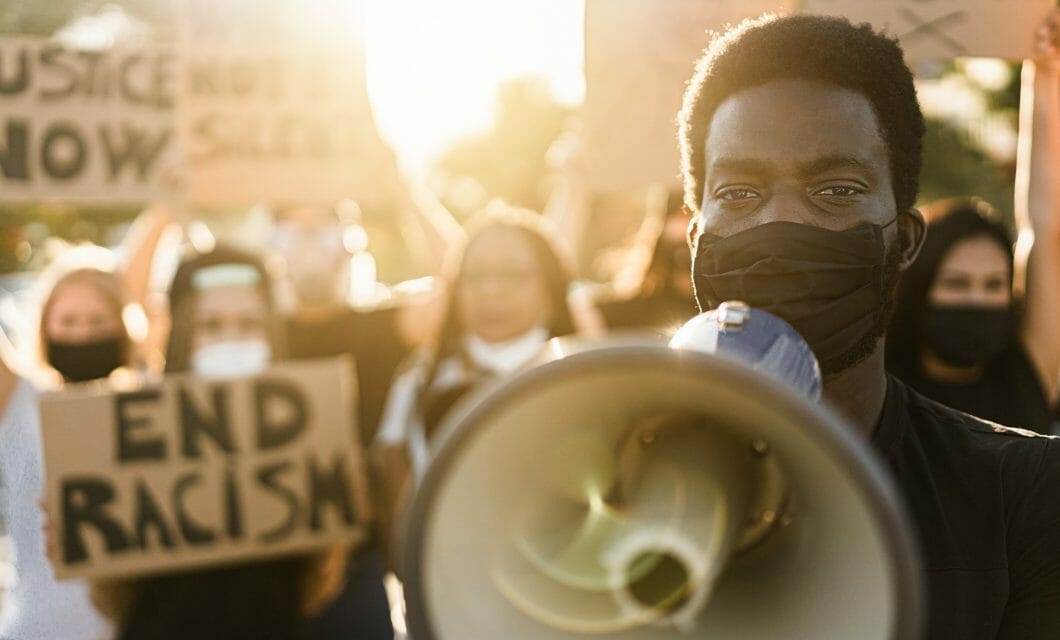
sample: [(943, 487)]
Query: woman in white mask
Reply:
[(507, 295), (222, 313), (223, 317)]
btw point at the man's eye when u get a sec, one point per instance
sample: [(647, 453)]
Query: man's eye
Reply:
[(736, 194), (839, 191)]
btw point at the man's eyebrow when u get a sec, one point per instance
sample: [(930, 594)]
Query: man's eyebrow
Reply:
[(754, 166)]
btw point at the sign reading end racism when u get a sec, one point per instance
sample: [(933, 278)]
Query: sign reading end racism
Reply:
[(198, 472)]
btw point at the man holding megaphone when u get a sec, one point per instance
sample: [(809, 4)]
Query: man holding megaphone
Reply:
[(801, 144), (644, 491)]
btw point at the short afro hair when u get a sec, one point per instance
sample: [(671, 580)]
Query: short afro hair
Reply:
[(817, 48)]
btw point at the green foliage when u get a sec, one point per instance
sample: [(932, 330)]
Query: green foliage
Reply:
[(37, 17), (45, 17), (508, 160), (953, 166), (24, 229)]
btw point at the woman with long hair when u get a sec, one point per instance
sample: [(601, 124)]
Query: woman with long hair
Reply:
[(956, 335), (974, 323), (82, 337), (506, 286)]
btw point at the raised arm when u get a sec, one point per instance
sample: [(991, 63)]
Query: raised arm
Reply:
[(1038, 203), (569, 205), (139, 247), (426, 224), (8, 373)]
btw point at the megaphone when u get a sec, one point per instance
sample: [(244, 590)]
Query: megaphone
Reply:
[(638, 490)]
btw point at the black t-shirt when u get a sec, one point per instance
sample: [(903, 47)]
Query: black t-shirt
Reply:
[(254, 601), (372, 338), (1009, 392), (985, 500)]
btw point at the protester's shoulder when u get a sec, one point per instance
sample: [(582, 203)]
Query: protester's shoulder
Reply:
[(974, 438), (415, 364)]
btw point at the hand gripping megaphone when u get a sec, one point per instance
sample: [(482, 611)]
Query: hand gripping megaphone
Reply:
[(638, 490)]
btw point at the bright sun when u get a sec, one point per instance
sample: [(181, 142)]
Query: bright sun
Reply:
[(434, 67)]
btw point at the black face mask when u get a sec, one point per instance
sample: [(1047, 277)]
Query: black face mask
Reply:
[(79, 362), (833, 287), (965, 336)]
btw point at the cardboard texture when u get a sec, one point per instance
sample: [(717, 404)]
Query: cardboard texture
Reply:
[(197, 472)]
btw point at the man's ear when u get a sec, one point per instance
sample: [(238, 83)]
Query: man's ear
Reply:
[(693, 231), (912, 229)]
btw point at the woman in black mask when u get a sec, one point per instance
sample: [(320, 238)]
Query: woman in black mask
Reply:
[(956, 334), (82, 338), (82, 334)]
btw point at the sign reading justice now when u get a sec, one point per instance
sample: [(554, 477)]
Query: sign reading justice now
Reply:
[(246, 124), (196, 472), (84, 125)]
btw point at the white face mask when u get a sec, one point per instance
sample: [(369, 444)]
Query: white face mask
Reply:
[(505, 357), (231, 359)]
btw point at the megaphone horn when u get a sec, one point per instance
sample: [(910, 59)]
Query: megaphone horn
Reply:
[(631, 489)]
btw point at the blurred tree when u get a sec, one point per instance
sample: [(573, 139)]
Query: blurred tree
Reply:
[(508, 160), (33, 17), (957, 157), (45, 17), (954, 165)]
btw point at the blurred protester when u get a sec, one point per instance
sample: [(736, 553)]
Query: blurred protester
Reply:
[(326, 264), (336, 308), (659, 295), (318, 247), (507, 295), (638, 245), (82, 333), (961, 334), (82, 337), (328, 271), (223, 326)]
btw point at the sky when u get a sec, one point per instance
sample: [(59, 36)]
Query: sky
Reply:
[(433, 66)]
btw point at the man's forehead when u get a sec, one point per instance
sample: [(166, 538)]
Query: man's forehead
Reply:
[(794, 122)]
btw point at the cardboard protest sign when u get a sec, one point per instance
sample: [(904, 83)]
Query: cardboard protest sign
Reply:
[(81, 125), (197, 472), (274, 104), (938, 29), (259, 100), (638, 56)]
